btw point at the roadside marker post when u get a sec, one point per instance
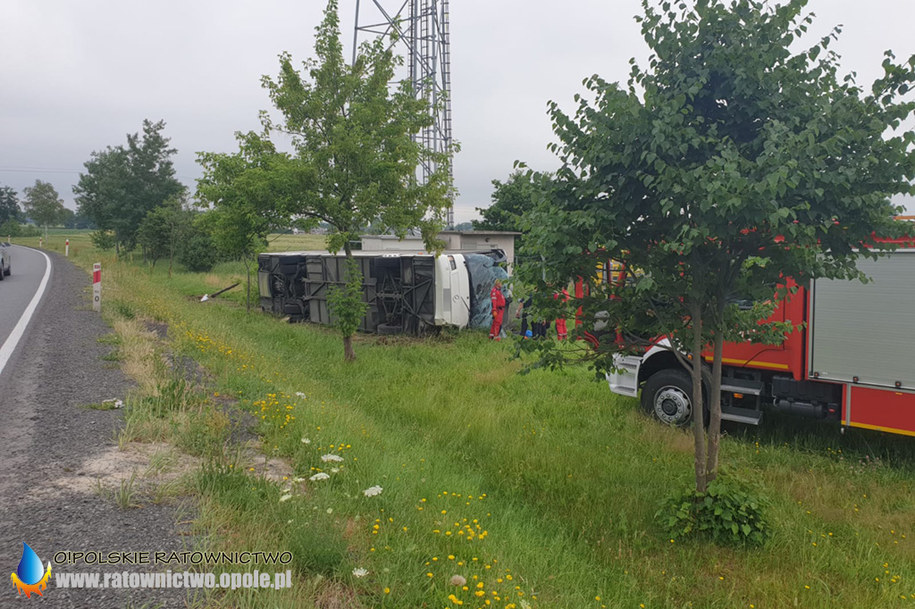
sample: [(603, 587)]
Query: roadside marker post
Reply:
[(97, 286), (67, 249)]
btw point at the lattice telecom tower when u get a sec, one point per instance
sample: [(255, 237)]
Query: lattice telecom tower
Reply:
[(421, 27)]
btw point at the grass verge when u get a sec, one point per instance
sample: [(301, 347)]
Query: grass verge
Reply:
[(535, 490)]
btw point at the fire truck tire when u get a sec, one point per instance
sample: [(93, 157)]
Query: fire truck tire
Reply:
[(667, 396)]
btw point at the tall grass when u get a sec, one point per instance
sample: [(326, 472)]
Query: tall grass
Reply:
[(538, 490)]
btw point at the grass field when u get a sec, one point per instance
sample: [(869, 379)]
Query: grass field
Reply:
[(536, 490)]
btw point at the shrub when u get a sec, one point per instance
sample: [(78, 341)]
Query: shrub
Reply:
[(728, 513), (197, 251), (103, 239)]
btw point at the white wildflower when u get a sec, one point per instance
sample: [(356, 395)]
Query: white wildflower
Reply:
[(330, 510), (372, 491), (300, 394), (360, 572), (335, 470), (458, 580), (319, 476), (331, 458), (286, 497), (298, 479), (306, 441)]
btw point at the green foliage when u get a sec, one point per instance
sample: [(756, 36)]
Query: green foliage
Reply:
[(11, 228), (42, 204), (9, 205), (247, 196), (197, 251), (163, 229), (346, 302), (103, 239), (510, 201), (728, 513), (122, 184)]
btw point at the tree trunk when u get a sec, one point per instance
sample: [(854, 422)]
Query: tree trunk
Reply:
[(349, 355), (714, 425), (248, 288), (699, 438)]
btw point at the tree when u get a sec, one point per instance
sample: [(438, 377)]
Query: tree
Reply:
[(727, 165), (197, 250), (9, 205), (163, 229), (67, 218), (511, 199), (43, 205), (353, 160), (122, 184), (251, 192)]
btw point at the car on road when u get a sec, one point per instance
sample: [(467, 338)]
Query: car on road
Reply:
[(5, 255)]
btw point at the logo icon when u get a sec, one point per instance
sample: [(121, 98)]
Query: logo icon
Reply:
[(30, 576)]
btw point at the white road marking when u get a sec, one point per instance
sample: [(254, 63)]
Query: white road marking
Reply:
[(6, 351)]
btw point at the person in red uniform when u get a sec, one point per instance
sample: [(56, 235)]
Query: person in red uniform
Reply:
[(498, 310), (561, 331)]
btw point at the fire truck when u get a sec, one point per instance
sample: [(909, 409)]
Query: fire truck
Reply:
[(850, 358)]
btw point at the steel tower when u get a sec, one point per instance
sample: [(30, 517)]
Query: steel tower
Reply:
[(420, 28)]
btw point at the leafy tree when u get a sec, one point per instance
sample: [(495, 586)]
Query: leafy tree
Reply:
[(123, 183), (353, 160), (346, 302), (511, 199), (728, 164), (251, 192), (162, 231), (67, 218), (43, 205), (9, 205), (10, 228), (197, 251)]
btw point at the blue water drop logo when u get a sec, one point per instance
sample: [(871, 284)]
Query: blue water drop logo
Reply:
[(30, 570)]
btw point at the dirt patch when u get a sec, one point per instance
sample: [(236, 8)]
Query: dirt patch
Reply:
[(333, 595), (148, 465), (271, 468), (160, 329)]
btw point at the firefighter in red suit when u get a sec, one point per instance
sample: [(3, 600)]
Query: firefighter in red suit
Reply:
[(561, 331), (498, 310)]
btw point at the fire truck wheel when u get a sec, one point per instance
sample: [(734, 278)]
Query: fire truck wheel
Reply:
[(667, 396)]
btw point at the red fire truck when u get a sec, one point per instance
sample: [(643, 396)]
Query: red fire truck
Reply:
[(853, 360)]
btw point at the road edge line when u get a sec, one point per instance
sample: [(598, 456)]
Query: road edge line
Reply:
[(12, 341)]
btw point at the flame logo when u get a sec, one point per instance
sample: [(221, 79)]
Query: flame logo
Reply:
[(30, 575)]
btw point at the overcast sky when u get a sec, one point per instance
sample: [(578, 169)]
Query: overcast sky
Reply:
[(78, 76)]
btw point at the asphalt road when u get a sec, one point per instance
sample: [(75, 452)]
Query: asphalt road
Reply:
[(16, 290), (49, 441)]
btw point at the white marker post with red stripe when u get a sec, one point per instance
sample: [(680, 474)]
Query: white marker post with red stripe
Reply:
[(97, 286), (67, 249)]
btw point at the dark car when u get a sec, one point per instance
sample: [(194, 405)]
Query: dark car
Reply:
[(5, 256)]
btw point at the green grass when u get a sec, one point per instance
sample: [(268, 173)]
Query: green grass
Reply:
[(540, 487)]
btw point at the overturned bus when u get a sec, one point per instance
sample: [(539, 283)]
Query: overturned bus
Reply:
[(406, 292)]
